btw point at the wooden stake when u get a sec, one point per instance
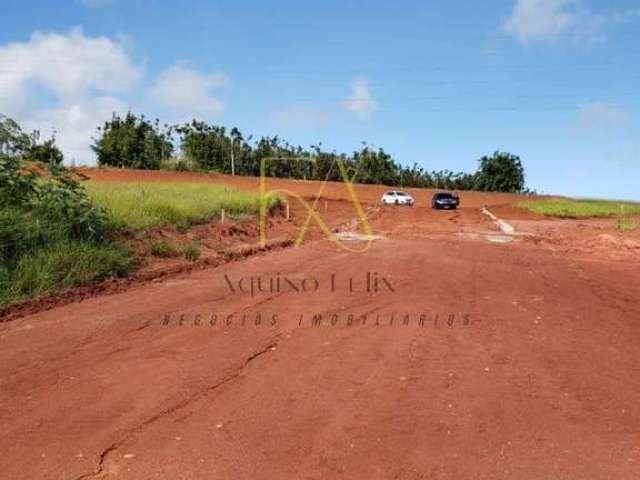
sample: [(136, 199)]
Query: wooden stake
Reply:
[(287, 210), (222, 215)]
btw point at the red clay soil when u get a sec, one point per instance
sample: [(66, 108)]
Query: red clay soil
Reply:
[(517, 362)]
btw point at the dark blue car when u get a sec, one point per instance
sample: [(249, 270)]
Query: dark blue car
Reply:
[(445, 200)]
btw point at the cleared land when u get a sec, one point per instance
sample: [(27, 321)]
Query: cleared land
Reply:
[(525, 365)]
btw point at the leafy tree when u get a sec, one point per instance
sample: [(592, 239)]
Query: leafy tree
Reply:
[(463, 181), (12, 139), (132, 142), (282, 159), (46, 152), (241, 153), (16, 143), (207, 146), (323, 164), (501, 172), (375, 166)]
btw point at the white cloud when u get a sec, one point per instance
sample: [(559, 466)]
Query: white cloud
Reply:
[(187, 91), (301, 116), (75, 124), (72, 83), (361, 102), (542, 19), (601, 114), (550, 20), (66, 82), (67, 65)]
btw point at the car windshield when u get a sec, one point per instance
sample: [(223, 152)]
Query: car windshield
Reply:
[(442, 196), (401, 194)]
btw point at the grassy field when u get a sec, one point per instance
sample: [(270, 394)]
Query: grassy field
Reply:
[(574, 208), (142, 206)]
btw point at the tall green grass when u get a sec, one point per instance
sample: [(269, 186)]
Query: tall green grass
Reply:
[(574, 208), (63, 264), (137, 207), (39, 256)]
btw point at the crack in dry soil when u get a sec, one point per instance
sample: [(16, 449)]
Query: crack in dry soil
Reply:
[(102, 460)]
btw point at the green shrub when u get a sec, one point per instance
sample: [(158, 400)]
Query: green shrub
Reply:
[(163, 249), (46, 152), (626, 224), (192, 252), (16, 189)]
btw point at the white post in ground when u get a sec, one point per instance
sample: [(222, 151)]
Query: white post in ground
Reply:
[(222, 215), (287, 209)]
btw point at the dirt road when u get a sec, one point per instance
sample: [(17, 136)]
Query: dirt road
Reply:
[(516, 363)]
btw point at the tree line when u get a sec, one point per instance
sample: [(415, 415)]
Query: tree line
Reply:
[(134, 141)]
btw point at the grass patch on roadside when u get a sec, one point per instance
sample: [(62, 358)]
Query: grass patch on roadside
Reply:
[(626, 224), (192, 252), (163, 249), (62, 265), (574, 208), (136, 207)]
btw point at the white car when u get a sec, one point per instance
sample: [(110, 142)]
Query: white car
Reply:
[(395, 197)]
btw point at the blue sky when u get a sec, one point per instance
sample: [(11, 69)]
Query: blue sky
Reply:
[(437, 83)]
